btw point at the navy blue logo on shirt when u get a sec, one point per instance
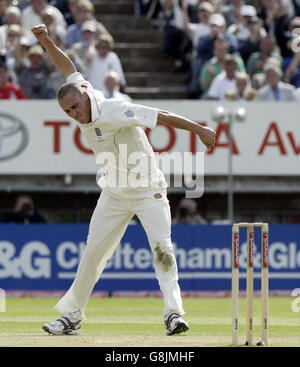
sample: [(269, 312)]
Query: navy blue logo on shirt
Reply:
[(98, 133), (129, 113)]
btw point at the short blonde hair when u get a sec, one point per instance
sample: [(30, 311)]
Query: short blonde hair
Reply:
[(14, 28), (36, 50), (242, 75), (273, 67), (113, 74), (85, 4), (105, 39)]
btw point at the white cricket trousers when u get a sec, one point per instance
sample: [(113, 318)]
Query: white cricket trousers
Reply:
[(108, 224)]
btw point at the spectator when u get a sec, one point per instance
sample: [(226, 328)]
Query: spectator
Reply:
[(86, 47), (232, 12), (275, 89), (11, 37), (225, 81), (48, 18), (251, 44), (243, 92), (241, 29), (32, 14), (201, 28), (64, 7), (150, 8), (82, 10), (291, 68), (21, 48), (2, 38), (72, 4), (8, 90), (215, 65), (217, 30), (176, 42), (112, 87), (257, 60), (34, 79), (24, 212), (272, 10), (205, 49), (283, 28), (218, 5), (102, 60), (289, 7), (12, 17), (22, 4), (296, 6), (187, 213), (3, 6), (268, 13)]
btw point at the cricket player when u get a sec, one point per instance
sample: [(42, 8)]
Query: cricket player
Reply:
[(109, 127)]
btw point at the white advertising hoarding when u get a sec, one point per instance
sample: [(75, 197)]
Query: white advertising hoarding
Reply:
[(36, 137)]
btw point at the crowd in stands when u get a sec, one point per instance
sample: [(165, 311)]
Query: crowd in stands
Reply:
[(24, 211), (233, 49), (229, 49), (25, 67)]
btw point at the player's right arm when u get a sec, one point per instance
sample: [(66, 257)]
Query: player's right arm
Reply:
[(58, 57)]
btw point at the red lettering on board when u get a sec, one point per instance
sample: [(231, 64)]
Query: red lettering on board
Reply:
[(223, 128), (277, 143), (296, 149), (56, 133)]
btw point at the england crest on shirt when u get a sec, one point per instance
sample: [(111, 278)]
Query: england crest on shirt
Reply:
[(98, 133)]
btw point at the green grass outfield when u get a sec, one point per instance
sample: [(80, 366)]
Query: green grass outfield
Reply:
[(123, 322)]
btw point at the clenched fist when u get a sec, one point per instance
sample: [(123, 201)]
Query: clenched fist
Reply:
[(40, 31)]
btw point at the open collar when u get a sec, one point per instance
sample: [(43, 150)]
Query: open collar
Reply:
[(95, 111)]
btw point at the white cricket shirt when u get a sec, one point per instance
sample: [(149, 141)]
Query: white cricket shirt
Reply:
[(120, 144)]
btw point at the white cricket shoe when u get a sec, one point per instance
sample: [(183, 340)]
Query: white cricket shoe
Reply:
[(175, 324), (68, 324)]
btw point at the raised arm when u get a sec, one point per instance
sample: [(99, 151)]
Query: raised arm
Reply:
[(59, 58), (206, 134), (186, 18)]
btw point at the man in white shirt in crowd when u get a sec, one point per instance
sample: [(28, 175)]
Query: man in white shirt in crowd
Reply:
[(32, 14), (101, 60), (225, 81), (109, 125), (197, 30)]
